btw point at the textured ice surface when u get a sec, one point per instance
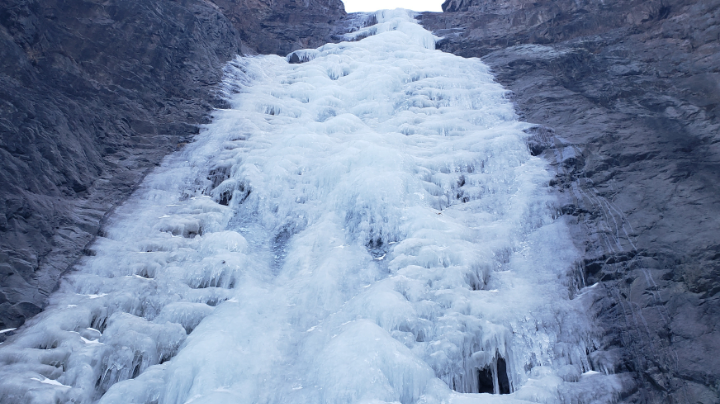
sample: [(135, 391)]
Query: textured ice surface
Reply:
[(364, 227)]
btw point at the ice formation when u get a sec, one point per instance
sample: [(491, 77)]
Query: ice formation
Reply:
[(366, 226)]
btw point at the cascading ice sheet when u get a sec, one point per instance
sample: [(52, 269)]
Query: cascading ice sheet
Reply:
[(366, 226)]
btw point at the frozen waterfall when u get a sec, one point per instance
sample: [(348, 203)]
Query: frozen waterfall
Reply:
[(364, 225)]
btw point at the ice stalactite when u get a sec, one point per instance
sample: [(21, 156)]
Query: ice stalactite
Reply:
[(365, 224)]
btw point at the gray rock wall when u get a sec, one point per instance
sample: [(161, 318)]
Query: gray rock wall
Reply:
[(626, 97), (93, 94), (283, 26)]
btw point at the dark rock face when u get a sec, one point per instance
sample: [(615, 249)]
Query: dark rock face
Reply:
[(93, 94), (626, 95), (285, 26)]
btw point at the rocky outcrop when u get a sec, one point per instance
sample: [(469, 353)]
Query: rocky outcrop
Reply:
[(626, 96), (93, 94), (281, 27)]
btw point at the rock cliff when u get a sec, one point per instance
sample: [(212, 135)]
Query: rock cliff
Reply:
[(93, 94), (625, 96)]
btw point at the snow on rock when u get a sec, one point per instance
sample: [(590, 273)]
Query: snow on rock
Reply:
[(365, 226)]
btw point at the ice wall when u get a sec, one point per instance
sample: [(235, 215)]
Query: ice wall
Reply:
[(364, 226)]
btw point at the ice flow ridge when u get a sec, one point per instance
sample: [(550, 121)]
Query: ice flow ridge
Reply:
[(365, 226)]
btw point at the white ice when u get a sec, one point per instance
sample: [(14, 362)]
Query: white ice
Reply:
[(364, 227), (354, 6)]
